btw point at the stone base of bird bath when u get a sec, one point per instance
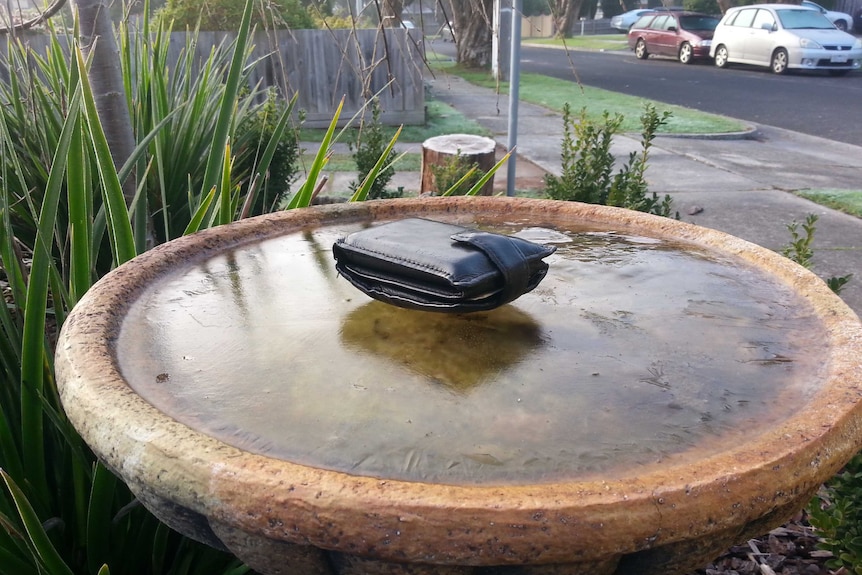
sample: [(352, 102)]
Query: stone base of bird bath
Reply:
[(285, 517)]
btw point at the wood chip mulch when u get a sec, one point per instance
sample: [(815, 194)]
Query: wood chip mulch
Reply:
[(788, 550)]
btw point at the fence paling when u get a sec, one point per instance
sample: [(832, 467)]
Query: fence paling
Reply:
[(322, 66)]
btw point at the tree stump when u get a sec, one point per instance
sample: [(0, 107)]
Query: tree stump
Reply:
[(442, 152)]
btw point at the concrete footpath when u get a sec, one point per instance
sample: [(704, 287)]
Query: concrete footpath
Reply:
[(740, 185)]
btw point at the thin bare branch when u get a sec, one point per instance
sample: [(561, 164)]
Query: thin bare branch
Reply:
[(55, 7)]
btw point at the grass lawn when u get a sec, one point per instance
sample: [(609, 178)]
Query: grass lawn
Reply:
[(599, 42), (554, 94), (345, 162), (847, 201)]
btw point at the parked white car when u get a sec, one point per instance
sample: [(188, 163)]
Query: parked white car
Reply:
[(842, 20), (784, 37)]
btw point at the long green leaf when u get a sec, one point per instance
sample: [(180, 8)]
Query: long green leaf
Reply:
[(10, 326), (477, 187), (303, 196), (99, 516), (159, 548), (10, 563), (33, 343), (229, 96), (119, 226), (269, 152), (39, 540), (457, 185), (80, 220), (225, 212), (199, 214)]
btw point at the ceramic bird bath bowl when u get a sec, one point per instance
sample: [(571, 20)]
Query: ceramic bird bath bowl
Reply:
[(667, 391)]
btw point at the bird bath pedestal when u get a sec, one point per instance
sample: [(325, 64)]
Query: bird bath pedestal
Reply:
[(666, 392)]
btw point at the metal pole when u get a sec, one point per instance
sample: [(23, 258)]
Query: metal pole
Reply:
[(514, 84), (495, 42)]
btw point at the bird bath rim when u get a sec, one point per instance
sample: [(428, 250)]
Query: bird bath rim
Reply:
[(174, 468)]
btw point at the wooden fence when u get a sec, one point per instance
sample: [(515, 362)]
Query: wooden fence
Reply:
[(322, 66), (543, 27)]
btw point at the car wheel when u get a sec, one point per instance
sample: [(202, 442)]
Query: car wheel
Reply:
[(779, 61), (721, 56), (640, 49), (842, 25), (686, 53)]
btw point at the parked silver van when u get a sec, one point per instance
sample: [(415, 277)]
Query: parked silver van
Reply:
[(783, 37)]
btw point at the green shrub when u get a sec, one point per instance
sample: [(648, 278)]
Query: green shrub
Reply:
[(836, 514), (629, 187), (587, 163), (587, 160), (800, 251), (226, 14), (252, 135), (369, 146), (323, 21)]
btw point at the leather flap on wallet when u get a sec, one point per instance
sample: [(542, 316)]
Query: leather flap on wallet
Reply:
[(424, 264)]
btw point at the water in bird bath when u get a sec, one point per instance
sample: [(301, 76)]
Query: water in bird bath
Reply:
[(631, 352)]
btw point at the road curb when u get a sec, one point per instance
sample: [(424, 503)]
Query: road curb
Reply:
[(750, 133)]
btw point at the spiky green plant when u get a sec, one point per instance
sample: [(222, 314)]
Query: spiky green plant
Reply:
[(195, 109), (64, 222)]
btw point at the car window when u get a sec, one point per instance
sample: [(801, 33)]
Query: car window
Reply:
[(660, 23), (801, 19), (698, 22), (764, 18), (744, 18), (643, 21)]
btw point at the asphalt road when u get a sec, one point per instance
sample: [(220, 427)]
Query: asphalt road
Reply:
[(812, 102)]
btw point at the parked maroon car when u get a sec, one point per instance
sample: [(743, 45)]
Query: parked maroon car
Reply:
[(682, 35)]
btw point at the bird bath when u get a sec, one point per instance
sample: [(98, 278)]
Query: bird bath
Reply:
[(666, 392)]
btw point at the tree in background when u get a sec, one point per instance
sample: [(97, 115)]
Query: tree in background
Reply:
[(705, 6), (536, 8), (390, 12), (611, 8), (565, 13), (226, 14), (472, 20)]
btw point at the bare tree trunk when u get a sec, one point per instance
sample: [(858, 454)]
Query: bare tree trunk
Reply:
[(391, 10), (106, 78), (473, 25), (565, 14)]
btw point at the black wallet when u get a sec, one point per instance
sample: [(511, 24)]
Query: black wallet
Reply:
[(422, 264)]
